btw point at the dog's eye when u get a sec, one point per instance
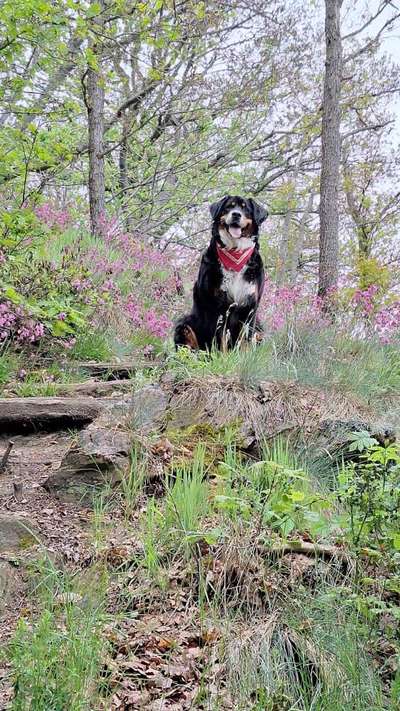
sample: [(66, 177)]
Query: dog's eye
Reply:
[(242, 204)]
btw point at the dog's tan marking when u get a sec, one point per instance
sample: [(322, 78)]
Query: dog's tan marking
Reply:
[(191, 338)]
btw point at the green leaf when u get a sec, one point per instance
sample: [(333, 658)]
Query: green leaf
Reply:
[(396, 541), (297, 495), (155, 74), (210, 537), (360, 441), (93, 10), (11, 294)]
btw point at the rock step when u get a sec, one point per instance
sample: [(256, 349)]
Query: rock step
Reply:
[(30, 414)]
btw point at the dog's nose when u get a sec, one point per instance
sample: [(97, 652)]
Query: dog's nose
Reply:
[(236, 215)]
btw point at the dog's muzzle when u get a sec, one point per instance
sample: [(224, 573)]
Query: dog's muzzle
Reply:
[(235, 221)]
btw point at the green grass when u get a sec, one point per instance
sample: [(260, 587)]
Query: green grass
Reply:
[(132, 482), (323, 358), (310, 654), (186, 502), (9, 365), (45, 381), (150, 536), (91, 346), (32, 389), (56, 658)]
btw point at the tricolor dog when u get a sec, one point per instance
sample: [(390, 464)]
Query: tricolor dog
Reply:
[(230, 282)]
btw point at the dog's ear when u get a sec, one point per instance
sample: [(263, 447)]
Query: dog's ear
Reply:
[(215, 208), (259, 212)]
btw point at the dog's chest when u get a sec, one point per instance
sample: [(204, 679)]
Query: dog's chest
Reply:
[(235, 286)]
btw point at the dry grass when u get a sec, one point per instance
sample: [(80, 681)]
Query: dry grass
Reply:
[(269, 410)]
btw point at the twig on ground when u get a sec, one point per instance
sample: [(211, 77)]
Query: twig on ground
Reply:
[(4, 459)]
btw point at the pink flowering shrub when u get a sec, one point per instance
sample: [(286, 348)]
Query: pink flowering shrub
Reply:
[(120, 283), (387, 322), (364, 299), (361, 315), (51, 216), (282, 305), (142, 282), (119, 278), (39, 301), (379, 314), (16, 323)]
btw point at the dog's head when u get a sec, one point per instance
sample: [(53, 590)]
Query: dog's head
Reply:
[(236, 219)]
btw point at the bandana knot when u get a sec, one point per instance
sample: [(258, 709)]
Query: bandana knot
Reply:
[(234, 259)]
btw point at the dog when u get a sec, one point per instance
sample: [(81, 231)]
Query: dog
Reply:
[(230, 281)]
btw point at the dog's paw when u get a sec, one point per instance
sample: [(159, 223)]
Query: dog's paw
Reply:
[(257, 338)]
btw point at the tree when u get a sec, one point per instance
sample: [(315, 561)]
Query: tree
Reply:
[(330, 154), (179, 127), (94, 99)]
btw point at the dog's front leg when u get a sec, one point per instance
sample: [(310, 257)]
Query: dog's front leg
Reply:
[(241, 321)]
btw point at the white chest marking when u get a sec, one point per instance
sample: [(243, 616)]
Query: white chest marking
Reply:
[(235, 285)]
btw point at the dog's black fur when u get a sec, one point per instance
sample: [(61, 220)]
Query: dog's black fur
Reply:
[(215, 318)]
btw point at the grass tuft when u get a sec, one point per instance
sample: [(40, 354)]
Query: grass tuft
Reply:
[(55, 659)]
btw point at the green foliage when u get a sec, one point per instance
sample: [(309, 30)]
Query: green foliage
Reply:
[(371, 492), (359, 441), (9, 364), (36, 288), (274, 494), (371, 272)]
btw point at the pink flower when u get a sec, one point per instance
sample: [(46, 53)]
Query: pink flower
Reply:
[(52, 216)]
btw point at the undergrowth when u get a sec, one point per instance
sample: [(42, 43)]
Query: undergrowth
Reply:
[(56, 658), (311, 657), (366, 368), (293, 572)]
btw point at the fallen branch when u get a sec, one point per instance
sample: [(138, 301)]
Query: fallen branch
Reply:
[(95, 387), (115, 371), (306, 548)]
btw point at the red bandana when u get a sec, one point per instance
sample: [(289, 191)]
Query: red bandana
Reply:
[(234, 259)]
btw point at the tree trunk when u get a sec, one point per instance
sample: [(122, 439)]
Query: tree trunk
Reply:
[(95, 110), (330, 159)]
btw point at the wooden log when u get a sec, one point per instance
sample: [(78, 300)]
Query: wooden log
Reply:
[(95, 387), (30, 414), (114, 371)]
